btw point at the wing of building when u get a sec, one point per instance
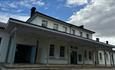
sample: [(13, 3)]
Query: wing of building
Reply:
[(43, 39)]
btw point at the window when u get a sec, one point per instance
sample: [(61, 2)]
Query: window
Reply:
[(51, 51), (62, 51), (44, 23), (100, 56), (107, 56), (85, 54), (55, 26), (81, 34), (0, 40), (90, 55), (65, 29), (80, 57), (73, 31), (87, 35)]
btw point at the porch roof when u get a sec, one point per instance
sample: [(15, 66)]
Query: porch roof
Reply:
[(11, 21)]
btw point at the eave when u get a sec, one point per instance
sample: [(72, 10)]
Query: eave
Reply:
[(11, 20)]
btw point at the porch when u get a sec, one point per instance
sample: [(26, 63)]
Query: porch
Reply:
[(77, 50)]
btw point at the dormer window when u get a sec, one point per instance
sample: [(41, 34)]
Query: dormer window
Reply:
[(0, 40), (65, 28), (81, 34), (87, 35), (73, 31), (55, 26), (44, 23)]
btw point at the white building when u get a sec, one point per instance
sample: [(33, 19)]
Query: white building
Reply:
[(45, 40)]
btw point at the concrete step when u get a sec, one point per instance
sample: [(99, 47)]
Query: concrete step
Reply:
[(49, 67)]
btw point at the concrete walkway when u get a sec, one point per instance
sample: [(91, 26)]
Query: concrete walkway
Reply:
[(96, 69)]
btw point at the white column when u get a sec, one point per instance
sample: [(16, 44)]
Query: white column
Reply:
[(12, 48)]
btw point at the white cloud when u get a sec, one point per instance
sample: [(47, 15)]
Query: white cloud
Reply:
[(76, 2), (30, 3), (5, 16), (21, 4), (98, 16)]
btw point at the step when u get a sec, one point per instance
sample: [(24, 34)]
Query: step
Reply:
[(50, 67)]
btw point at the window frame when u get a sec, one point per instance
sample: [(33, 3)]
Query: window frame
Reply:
[(85, 54), (90, 55), (44, 23), (107, 56), (79, 57), (0, 40), (55, 26), (100, 56), (73, 31), (52, 50), (62, 51), (87, 36), (81, 33), (65, 29)]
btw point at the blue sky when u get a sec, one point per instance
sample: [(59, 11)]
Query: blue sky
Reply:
[(96, 15), (56, 8)]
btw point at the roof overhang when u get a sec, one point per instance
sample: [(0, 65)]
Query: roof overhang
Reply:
[(11, 21)]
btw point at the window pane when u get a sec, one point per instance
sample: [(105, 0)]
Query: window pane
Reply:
[(62, 51), (51, 52), (80, 57), (0, 40), (65, 29), (85, 54), (107, 56), (100, 55), (55, 26), (90, 55), (44, 23), (73, 31), (81, 34), (87, 35)]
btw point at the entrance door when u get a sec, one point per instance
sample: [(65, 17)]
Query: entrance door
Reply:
[(73, 57), (23, 54)]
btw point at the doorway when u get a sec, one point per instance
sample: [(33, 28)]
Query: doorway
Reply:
[(73, 58), (24, 54)]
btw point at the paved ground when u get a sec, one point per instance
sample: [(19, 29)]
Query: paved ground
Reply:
[(95, 69)]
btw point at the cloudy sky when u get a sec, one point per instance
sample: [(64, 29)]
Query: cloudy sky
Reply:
[(96, 15)]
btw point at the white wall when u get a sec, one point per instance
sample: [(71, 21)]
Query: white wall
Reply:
[(45, 44), (103, 59), (38, 21), (87, 60), (108, 60)]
